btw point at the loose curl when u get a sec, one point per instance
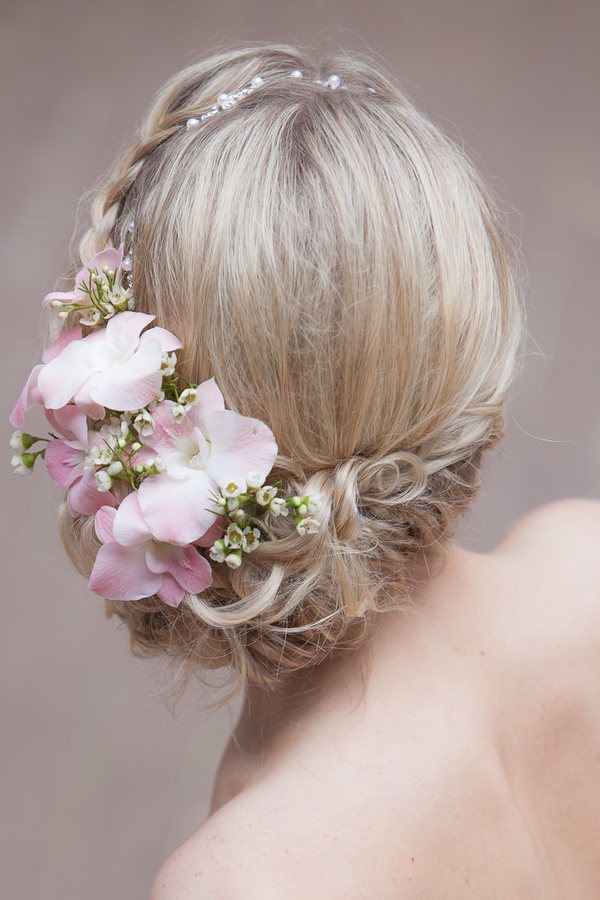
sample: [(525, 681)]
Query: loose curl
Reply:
[(336, 264)]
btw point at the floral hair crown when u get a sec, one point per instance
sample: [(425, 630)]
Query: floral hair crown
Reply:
[(122, 414)]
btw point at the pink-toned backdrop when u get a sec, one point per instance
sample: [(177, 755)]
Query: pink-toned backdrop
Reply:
[(99, 783)]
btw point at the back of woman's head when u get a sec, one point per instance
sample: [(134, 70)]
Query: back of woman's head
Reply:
[(335, 263)]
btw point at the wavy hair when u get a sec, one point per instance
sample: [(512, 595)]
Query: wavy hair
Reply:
[(337, 265)]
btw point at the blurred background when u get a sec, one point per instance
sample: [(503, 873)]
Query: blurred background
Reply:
[(99, 782)]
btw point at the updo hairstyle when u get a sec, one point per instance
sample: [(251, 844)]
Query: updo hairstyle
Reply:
[(337, 265)]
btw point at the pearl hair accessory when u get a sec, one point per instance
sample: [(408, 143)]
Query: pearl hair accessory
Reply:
[(226, 101)]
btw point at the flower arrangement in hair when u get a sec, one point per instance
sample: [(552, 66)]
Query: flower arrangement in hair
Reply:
[(167, 471)]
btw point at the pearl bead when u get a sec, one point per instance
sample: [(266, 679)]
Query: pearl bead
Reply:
[(222, 99), (127, 264), (296, 74), (334, 81), (257, 81), (191, 123), (131, 226)]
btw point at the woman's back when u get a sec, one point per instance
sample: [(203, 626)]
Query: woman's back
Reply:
[(456, 753)]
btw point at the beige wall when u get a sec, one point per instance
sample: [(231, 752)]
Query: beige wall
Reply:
[(99, 783)]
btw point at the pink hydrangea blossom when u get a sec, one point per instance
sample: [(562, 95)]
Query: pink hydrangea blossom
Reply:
[(207, 449), (109, 257), (132, 564), (117, 367)]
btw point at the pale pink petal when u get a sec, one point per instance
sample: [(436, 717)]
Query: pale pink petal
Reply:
[(130, 385), (121, 573), (84, 498), (167, 340), (110, 257), (185, 564), (213, 534), (167, 433), (103, 523), (64, 463), (177, 511), (65, 338), (126, 327), (26, 400), (70, 422), (170, 592), (210, 399), (62, 376), (129, 527), (238, 445)]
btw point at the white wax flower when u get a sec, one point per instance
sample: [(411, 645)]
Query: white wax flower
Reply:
[(307, 526), (103, 480), (255, 479), (266, 495), (278, 507)]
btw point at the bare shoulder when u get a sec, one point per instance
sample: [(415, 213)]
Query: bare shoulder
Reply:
[(558, 547), (571, 526)]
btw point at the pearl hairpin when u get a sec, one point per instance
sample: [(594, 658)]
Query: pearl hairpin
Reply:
[(226, 101)]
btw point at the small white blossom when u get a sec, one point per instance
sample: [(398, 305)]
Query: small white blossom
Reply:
[(233, 503), (18, 467), (189, 397), (115, 468), (234, 537), (169, 361), (16, 441), (218, 551), (314, 504), (255, 480), (144, 423), (266, 495), (251, 539), (160, 465), (278, 507), (90, 317), (154, 403), (99, 456), (178, 413), (103, 480), (307, 526), (233, 489), (233, 560)]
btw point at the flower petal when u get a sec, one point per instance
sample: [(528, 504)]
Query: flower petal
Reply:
[(62, 376), (167, 340), (64, 463), (127, 326), (121, 573), (129, 527), (84, 498), (62, 341), (103, 523), (170, 592), (130, 385), (26, 400), (175, 510), (238, 445), (70, 422), (210, 399), (213, 534)]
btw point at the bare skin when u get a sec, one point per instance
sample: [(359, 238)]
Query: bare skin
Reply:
[(455, 754)]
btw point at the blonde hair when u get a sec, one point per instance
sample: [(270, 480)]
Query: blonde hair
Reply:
[(337, 265)]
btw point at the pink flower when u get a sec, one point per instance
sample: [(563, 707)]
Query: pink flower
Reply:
[(207, 449), (117, 366), (30, 393), (131, 564), (65, 460), (109, 257)]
